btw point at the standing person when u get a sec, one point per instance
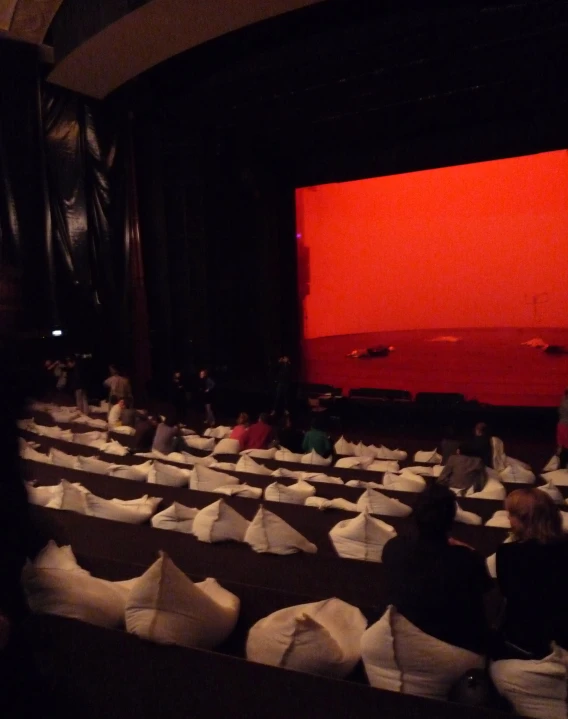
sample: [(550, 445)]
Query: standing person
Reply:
[(562, 431), (283, 385), (179, 396), (207, 394), (117, 384), (76, 385)]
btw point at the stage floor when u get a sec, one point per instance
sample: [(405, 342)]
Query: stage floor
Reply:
[(489, 365)]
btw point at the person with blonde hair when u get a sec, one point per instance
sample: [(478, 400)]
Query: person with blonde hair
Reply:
[(530, 667)]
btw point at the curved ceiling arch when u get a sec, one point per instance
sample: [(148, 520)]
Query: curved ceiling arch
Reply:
[(153, 33)]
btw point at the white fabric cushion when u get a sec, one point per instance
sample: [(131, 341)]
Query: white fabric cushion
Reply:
[(247, 464), (290, 473), (267, 533), (260, 453), (314, 458), (354, 462), (227, 446), (95, 466), (30, 453), (499, 519), (499, 458), (62, 459), (493, 490), (166, 607), (552, 464), (64, 414), (55, 584), (98, 423), (134, 511), (559, 477), (54, 432), (404, 483), (385, 453), (135, 472), (219, 522), (90, 439), (432, 457), (553, 492), (377, 503), (224, 466), (383, 465), (284, 455), (361, 484), (73, 498), (464, 517), (317, 477), (400, 657), (114, 447), (44, 496), (206, 479), (188, 458), (219, 432), (293, 494), (207, 444), (361, 450), (320, 638), (239, 490), (119, 429), (343, 447), (362, 537), (535, 687), (177, 518), (169, 475), (515, 471), (336, 503)]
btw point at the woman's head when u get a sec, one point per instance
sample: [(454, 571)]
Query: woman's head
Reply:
[(435, 512), (243, 418), (533, 515)]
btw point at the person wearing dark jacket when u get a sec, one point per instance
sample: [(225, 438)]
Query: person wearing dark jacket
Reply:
[(207, 395), (76, 385)]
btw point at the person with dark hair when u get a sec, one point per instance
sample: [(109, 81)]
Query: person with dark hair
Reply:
[(449, 444), (166, 436), (76, 385), (480, 445), (239, 430), (436, 582), (117, 384), (259, 434), (207, 394), (289, 436), (283, 385), (179, 396), (464, 469), (316, 439), (128, 413), (145, 431)]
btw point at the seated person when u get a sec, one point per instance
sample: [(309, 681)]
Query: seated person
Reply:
[(316, 439), (128, 413), (464, 470), (240, 428), (166, 437), (145, 432), (288, 436), (258, 435), (115, 412), (480, 444)]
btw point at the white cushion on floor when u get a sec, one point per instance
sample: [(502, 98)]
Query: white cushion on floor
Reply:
[(192, 459), (247, 464), (207, 444), (284, 455), (320, 638), (362, 450), (227, 446), (91, 439), (553, 492), (404, 483), (499, 519), (62, 459), (383, 465), (206, 479), (239, 490), (552, 464), (54, 432), (362, 537), (44, 495), (114, 447), (361, 484), (219, 432), (130, 511), (267, 533), (385, 453), (493, 489), (432, 457), (375, 502), (31, 454), (260, 453), (515, 471), (292, 494), (317, 477), (354, 462), (290, 473), (166, 607), (336, 503), (343, 447), (218, 522), (224, 466), (135, 472), (95, 466), (401, 658), (464, 517), (168, 475), (559, 477), (177, 518), (314, 458)]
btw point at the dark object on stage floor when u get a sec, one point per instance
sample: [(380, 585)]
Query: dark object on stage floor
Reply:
[(319, 391), (380, 395), (440, 399), (555, 350)]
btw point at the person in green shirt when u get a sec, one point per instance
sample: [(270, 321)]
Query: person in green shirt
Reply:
[(317, 440)]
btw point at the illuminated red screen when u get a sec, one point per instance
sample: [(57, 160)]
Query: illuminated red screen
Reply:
[(464, 246)]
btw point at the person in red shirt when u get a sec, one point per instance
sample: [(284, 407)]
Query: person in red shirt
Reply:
[(258, 435)]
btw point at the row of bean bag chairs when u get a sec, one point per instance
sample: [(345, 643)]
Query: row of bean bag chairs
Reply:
[(349, 449)]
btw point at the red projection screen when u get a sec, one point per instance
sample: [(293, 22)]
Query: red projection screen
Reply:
[(469, 246)]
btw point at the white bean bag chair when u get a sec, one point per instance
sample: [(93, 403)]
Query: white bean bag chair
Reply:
[(95, 466), (100, 424), (553, 492), (166, 607), (114, 447), (289, 473), (385, 453), (239, 490), (169, 475), (55, 584), (336, 503), (515, 471), (552, 464), (401, 658), (219, 522), (31, 454), (535, 687), (177, 518), (419, 470), (207, 444), (404, 482), (44, 496), (499, 458), (354, 462), (284, 455), (247, 464), (54, 432), (135, 472), (191, 459), (268, 534), (362, 537), (377, 503), (290, 494), (224, 466), (499, 519), (314, 458), (559, 477), (219, 432), (431, 457), (493, 489), (383, 465), (317, 477), (362, 450), (343, 447), (260, 453), (62, 459), (65, 414), (91, 439), (464, 517), (130, 511), (319, 638), (227, 446), (206, 479), (362, 484)]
